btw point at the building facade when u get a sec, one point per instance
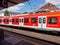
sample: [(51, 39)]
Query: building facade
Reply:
[(48, 7)]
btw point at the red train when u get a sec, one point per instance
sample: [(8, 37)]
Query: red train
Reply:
[(47, 21)]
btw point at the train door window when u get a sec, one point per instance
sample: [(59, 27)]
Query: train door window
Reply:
[(44, 20), (22, 20), (26, 20), (34, 20), (52, 20), (16, 20), (40, 20)]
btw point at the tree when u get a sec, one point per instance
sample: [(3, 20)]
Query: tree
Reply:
[(25, 13), (6, 13)]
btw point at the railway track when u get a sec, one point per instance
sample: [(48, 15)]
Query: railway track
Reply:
[(45, 37), (34, 30)]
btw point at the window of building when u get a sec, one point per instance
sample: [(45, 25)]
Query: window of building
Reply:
[(34, 20), (52, 20), (26, 20)]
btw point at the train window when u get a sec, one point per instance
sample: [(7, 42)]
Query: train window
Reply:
[(34, 20), (40, 20), (4, 20), (44, 20), (0, 20), (12, 20), (26, 20), (52, 20), (7, 20), (16, 20)]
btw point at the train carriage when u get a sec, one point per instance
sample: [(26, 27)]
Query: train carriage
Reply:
[(0, 20), (47, 21)]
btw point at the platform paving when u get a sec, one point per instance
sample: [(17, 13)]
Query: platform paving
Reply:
[(8, 40)]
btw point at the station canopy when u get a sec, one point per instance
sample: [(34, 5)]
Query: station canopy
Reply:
[(9, 3)]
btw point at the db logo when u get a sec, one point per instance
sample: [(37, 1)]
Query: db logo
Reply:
[(5, 3)]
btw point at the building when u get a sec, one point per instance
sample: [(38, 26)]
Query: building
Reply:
[(48, 7)]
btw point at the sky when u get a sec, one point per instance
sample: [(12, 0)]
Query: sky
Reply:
[(30, 5)]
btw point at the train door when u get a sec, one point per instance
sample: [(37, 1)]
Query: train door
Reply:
[(42, 21), (10, 21), (2, 21), (21, 21)]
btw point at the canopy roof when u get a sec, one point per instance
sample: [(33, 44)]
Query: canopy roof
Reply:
[(8, 3)]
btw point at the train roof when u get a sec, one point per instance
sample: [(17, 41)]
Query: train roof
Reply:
[(36, 14)]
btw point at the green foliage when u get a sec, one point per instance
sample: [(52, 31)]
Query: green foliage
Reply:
[(6, 13), (25, 13)]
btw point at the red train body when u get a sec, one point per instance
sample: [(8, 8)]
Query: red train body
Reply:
[(47, 21)]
